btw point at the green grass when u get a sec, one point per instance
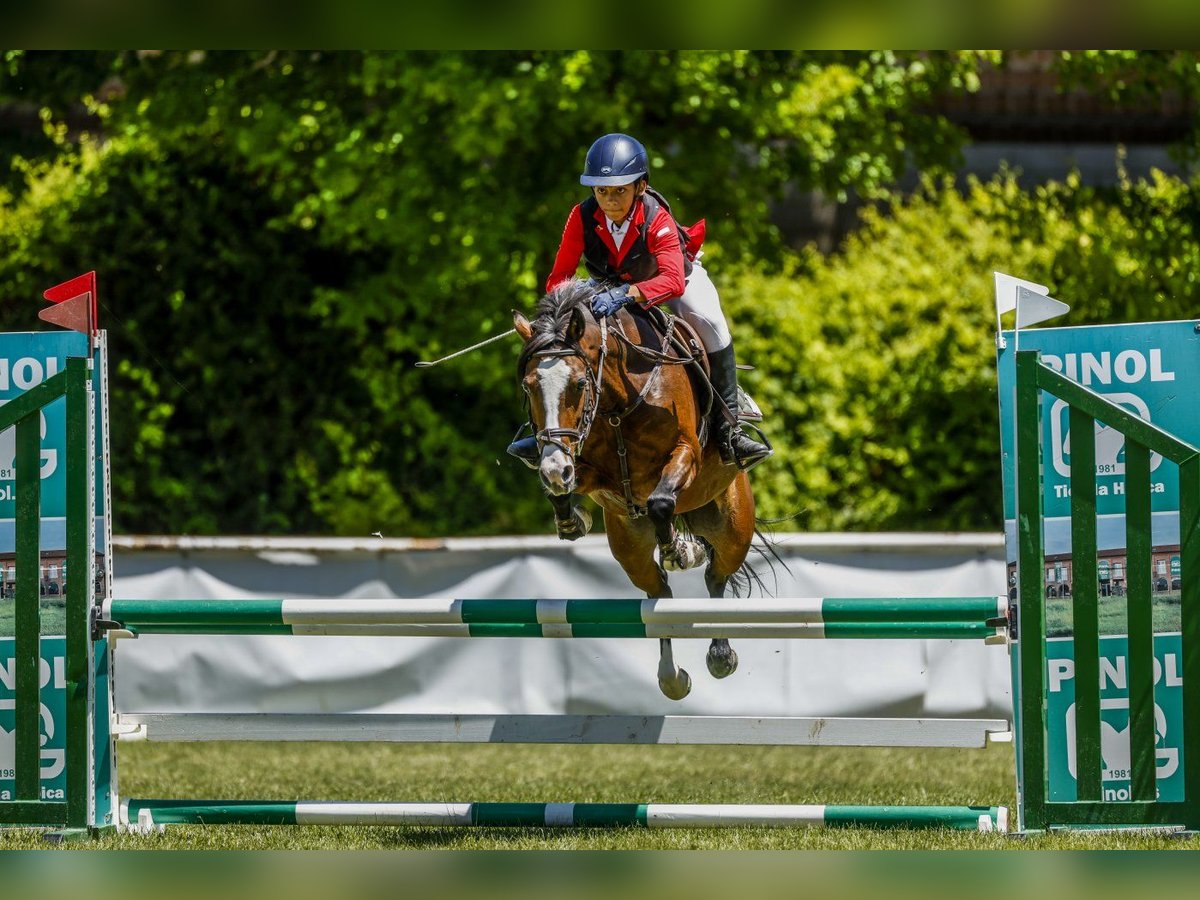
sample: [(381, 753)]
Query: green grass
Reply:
[(461, 773), (53, 616), (1164, 608)]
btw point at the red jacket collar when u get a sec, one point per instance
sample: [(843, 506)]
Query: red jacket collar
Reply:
[(637, 218)]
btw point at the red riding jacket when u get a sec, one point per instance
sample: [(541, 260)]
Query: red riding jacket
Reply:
[(652, 255)]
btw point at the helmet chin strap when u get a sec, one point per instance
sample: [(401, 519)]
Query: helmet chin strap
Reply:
[(636, 199)]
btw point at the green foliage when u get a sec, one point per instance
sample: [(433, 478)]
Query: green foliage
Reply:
[(1141, 83), (212, 357), (281, 235), (877, 366)]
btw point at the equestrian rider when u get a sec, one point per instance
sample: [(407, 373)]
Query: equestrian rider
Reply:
[(627, 237)]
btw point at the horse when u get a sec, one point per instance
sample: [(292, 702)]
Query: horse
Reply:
[(617, 419)]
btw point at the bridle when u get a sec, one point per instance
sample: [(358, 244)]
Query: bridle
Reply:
[(557, 437)]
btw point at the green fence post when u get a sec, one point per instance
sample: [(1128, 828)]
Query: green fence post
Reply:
[(1031, 611), (80, 593), (1138, 547), (28, 623), (1085, 606), (1189, 558)]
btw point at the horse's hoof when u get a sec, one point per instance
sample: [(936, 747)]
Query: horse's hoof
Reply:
[(575, 527), (680, 555), (722, 661), (568, 531), (678, 687)]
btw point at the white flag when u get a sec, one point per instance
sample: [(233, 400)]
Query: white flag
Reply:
[(1006, 291), (1034, 307)]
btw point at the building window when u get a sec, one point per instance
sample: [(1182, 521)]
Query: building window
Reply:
[(1160, 567)]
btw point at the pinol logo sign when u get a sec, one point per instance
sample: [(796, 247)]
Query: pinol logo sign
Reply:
[(52, 721), (17, 375), (1110, 443), (8, 455), (1114, 718)]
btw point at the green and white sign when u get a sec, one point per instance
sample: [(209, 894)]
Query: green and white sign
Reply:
[(53, 724), (1114, 718), (26, 360), (53, 718), (1151, 369)]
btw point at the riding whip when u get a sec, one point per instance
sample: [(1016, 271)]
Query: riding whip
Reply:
[(425, 364)]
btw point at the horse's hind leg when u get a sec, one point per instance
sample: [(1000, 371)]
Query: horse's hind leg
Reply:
[(632, 544), (721, 659), (727, 526)]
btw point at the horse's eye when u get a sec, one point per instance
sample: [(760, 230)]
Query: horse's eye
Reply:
[(581, 383)]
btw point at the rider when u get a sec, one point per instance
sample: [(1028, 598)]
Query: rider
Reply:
[(627, 237)]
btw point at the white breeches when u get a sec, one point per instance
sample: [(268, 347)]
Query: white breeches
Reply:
[(700, 307)]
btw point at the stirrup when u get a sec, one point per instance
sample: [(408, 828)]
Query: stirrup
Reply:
[(747, 461)]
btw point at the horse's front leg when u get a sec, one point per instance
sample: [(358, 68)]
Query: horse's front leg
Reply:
[(674, 552), (571, 519)]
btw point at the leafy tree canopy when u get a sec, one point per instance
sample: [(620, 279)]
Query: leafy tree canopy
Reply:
[(280, 235)]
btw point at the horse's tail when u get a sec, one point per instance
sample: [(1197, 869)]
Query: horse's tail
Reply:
[(763, 550)]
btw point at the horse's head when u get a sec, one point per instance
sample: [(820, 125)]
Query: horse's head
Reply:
[(559, 371)]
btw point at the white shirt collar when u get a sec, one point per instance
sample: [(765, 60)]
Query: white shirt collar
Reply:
[(619, 231)]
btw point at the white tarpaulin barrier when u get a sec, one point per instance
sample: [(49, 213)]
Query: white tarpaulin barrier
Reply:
[(285, 674)]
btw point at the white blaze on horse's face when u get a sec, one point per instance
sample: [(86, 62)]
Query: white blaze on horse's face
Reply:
[(557, 470)]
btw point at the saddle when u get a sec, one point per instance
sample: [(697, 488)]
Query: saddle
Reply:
[(686, 343)]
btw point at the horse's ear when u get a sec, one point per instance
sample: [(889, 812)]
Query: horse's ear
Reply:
[(524, 329), (578, 325)]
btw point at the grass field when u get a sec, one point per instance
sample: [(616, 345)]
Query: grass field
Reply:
[(53, 616), (461, 773), (1113, 619)]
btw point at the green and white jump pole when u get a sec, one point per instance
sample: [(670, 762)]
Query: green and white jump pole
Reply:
[(145, 814), (983, 618)]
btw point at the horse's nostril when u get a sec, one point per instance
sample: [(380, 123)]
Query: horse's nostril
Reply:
[(568, 473)]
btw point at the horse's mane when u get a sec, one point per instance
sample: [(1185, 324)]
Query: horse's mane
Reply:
[(553, 316)]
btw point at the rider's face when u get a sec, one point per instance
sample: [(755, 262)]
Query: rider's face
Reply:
[(616, 202)]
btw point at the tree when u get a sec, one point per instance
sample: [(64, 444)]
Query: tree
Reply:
[(349, 213)]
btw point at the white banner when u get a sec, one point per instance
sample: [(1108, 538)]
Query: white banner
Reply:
[(549, 676)]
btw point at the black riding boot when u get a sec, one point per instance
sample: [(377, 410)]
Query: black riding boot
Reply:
[(735, 445)]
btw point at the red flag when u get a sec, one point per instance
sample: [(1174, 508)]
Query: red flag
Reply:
[(73, 314), (78, 317)]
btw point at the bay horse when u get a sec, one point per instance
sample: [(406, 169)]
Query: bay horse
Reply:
[(617, 419)]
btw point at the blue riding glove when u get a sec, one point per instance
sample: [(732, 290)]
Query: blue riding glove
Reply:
[(608, 302)]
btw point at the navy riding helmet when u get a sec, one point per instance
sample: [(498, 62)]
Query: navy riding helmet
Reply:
[(613, 160)]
